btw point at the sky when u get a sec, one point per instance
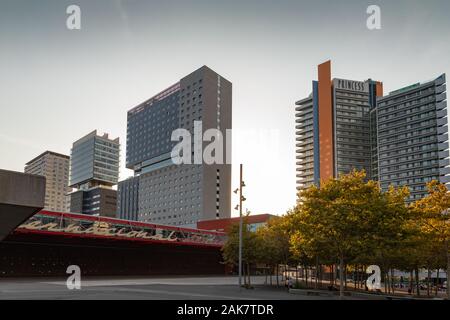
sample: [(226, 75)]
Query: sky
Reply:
[(58, 85)]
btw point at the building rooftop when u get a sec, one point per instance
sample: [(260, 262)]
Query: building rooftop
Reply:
[(51, 153)]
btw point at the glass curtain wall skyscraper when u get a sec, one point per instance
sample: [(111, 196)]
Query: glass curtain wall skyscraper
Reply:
[(94, 170)]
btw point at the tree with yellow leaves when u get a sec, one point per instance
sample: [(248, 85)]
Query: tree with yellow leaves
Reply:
[(337, 218), (433, 211)]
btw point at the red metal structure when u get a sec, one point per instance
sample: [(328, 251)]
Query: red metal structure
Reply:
[(49, 242)]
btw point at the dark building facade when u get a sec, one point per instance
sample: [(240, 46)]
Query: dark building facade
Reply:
[(182, 194), (128, 199), (97, 201)]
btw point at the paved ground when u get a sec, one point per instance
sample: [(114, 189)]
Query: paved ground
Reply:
[(171, 288)]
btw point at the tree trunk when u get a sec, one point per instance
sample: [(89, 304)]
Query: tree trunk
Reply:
[(341, 274), (361, 278), (388, 281), (448, 268), (385, 282), (411, 282), (317, 272), (244, 274), (335, 274), (417, 282), (271, 273), (320, 276), (306, 276), (278, 281), (392, 281), (428, 282), (331, 274), (345, 277), (249, 275), (265, 274), (437, 282), (356, 277)]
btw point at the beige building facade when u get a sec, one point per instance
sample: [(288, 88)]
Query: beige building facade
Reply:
[(55, 168)]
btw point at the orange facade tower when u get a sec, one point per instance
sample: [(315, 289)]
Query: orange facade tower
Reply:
[(326, 142), (335, 130)]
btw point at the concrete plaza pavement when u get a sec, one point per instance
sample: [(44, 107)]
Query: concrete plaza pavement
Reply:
[(146, 288)]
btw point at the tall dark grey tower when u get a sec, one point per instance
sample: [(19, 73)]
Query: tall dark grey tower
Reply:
[(169, 193)]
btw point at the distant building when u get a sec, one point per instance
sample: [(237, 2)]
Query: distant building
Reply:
[(94, 161), (128, 199), (55, 168), (94, 170), (400, 139), (173, 194), (96, 201), (223, 225)]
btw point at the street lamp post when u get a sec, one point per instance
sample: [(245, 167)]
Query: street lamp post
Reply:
[(240, 226), (239, 206)]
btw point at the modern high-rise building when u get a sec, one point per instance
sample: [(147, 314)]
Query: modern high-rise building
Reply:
[(178, 194), (94, 170), (399, 139), (412, 135), (55, 168), (95, 161), (333, 127)]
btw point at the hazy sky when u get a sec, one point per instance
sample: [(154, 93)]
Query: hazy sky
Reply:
[(58, 85)]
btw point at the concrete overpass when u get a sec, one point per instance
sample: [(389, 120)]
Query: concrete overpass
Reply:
[(21, 196)]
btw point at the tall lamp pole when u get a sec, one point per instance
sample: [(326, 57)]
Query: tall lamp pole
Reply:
[(239, 206), (240, 226)]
